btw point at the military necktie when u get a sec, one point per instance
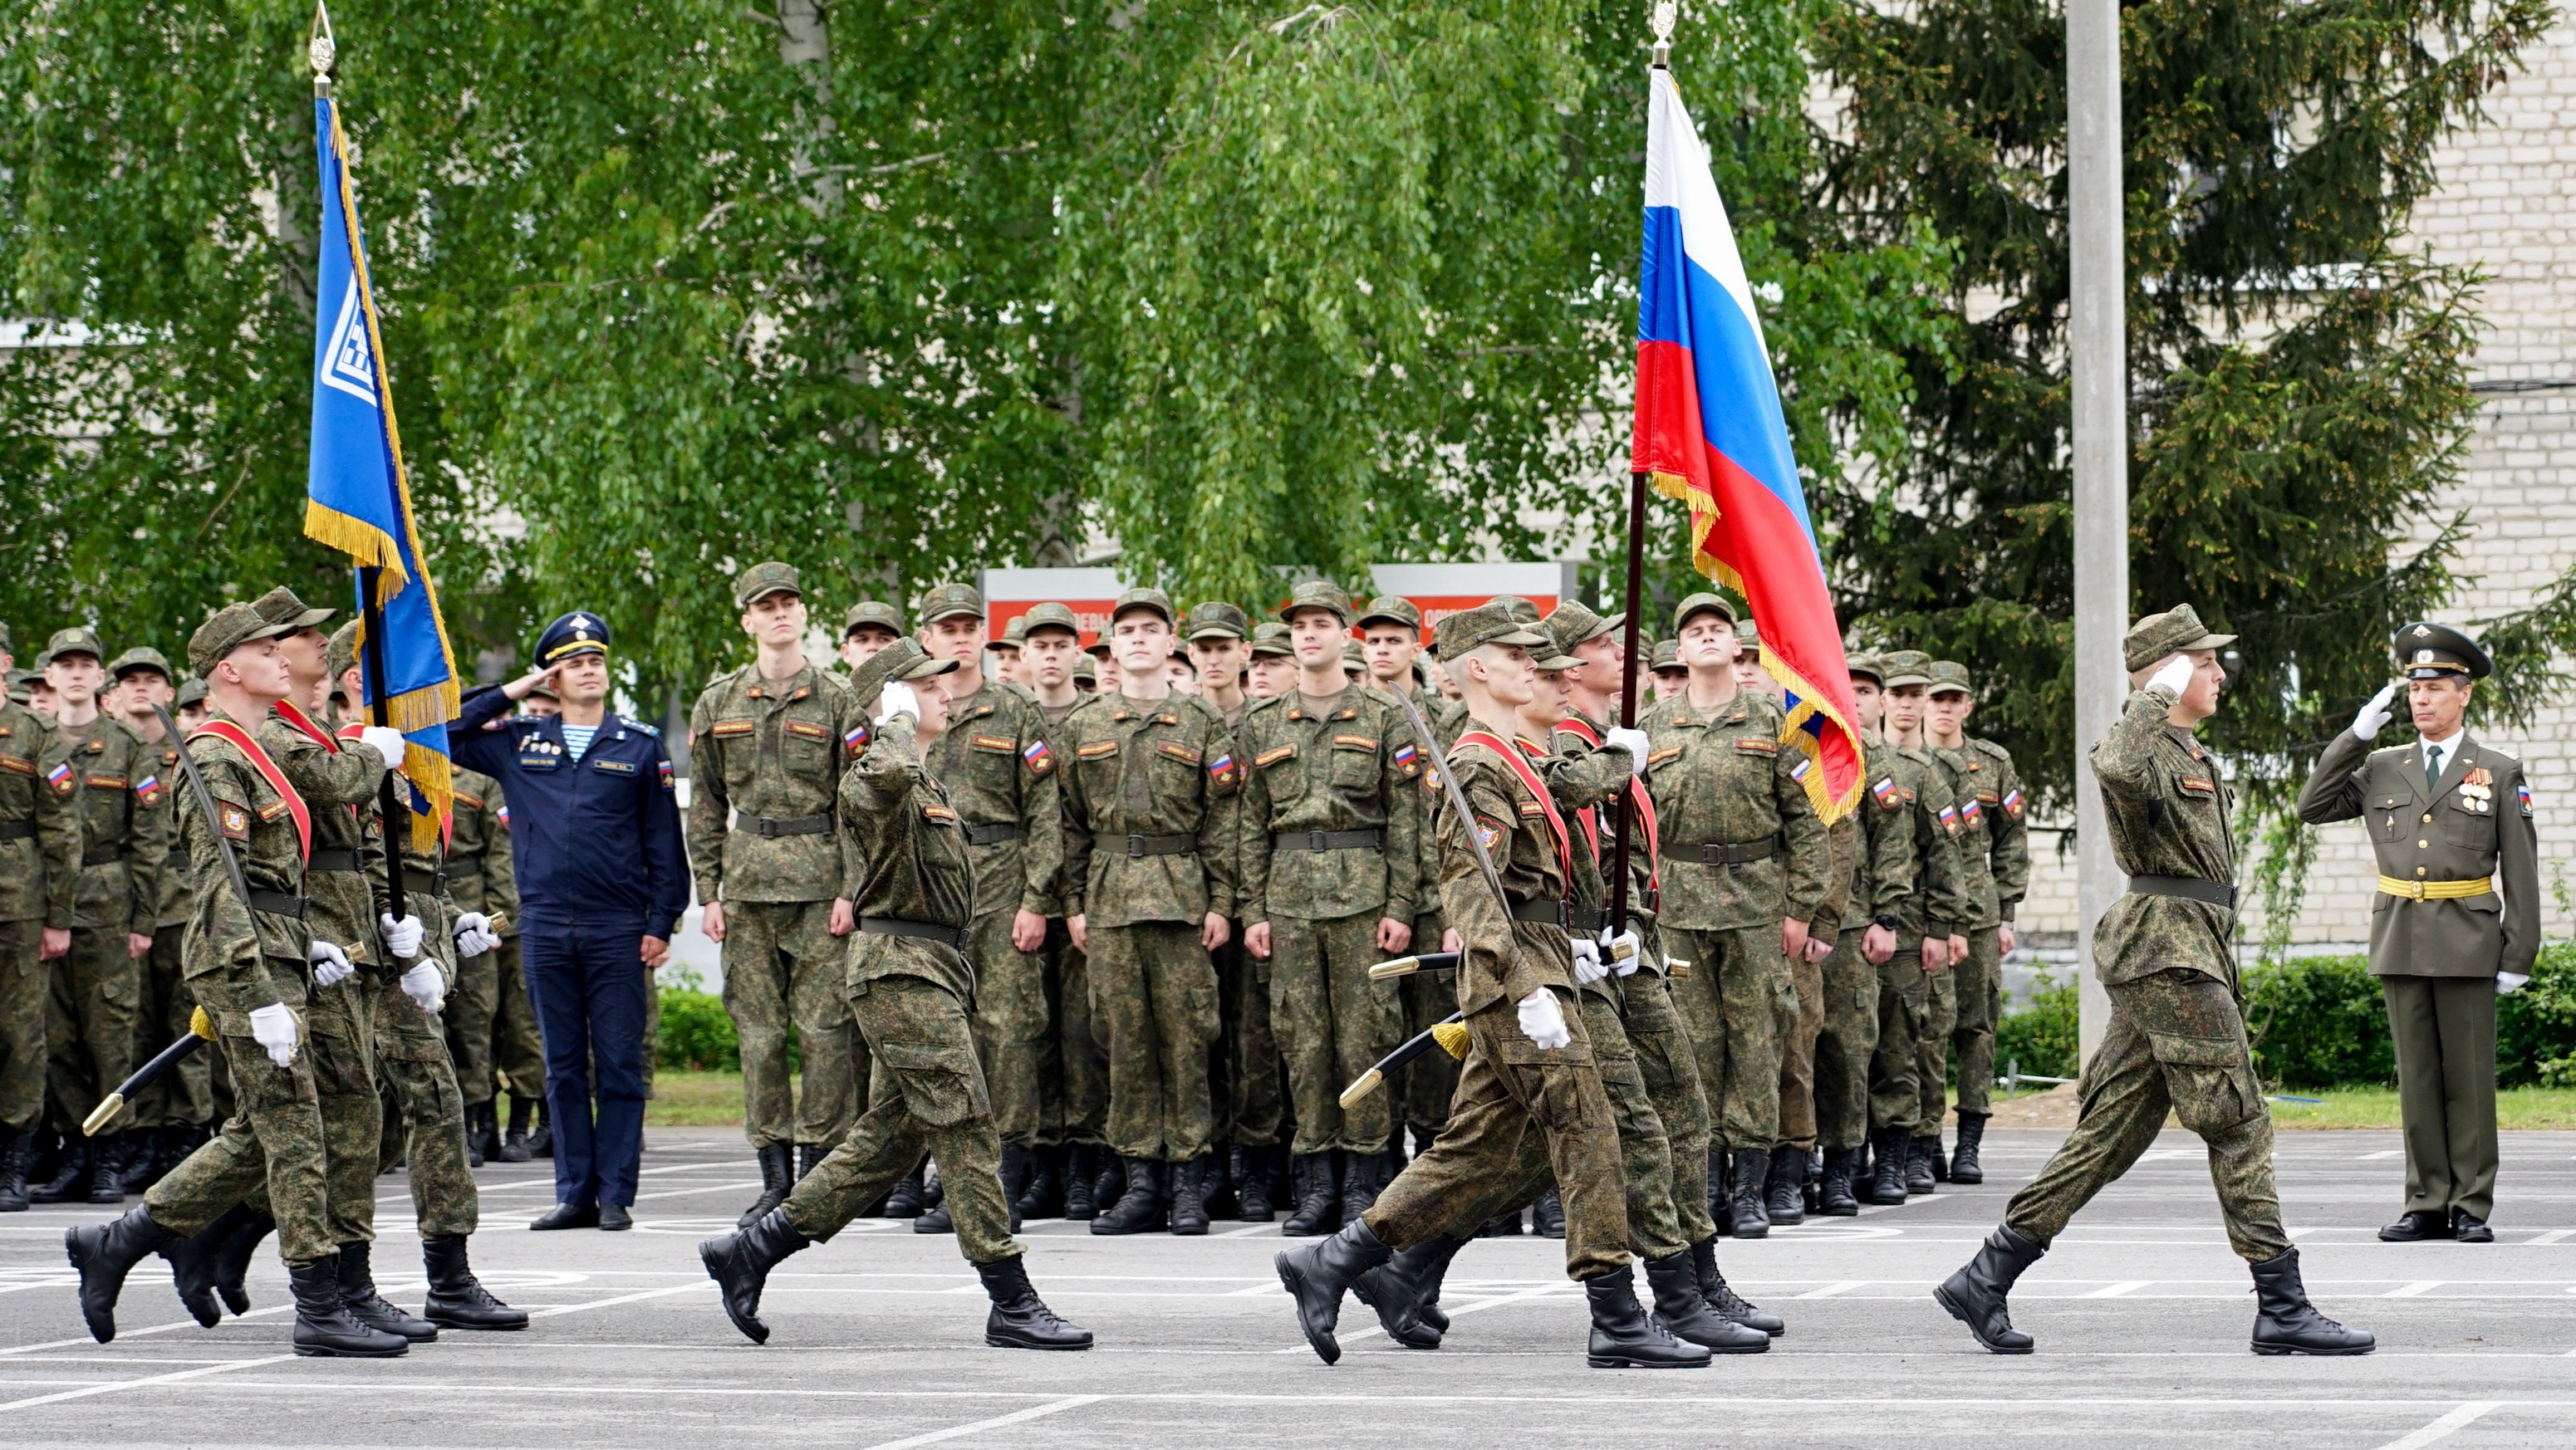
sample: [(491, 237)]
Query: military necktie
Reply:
[(2432, 768)]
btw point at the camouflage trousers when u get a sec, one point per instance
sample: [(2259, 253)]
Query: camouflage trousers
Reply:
[(89, 1023), (273, 1150), (1904, 1018), (1432, 1079), (423, 1115), (1153, 1003), (1669, 1067), (1077, 1062), (518, 1053), (1249, 1093), (1980, 996), (1508, 1093), (26, 985), (184, 1096), (1845, 1043), (1333, 1025), (1932, 1052), (2176, 1041), (930, 1098), (1802, 1022), (1731, 999), (782, 968), (1012, 1025), (466, 1022)]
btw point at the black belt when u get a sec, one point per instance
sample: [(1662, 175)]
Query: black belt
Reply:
[(349, 862), (277, 903), (993, 834), (427, 883), (954, 936), (17, 830), (1370, 839), (2216, 893), (770, 828), (1549, 910), (1721, 853), (1162, 845)]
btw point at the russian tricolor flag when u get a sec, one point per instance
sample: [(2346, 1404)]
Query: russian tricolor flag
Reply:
[(1710, 431)]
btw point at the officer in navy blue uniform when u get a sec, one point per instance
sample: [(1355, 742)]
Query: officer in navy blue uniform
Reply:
[(603, 877)]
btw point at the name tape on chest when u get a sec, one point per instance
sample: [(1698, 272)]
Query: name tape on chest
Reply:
[(1355, 742), (1097, 750), (808, 730), (723, 728), (1175, 750), (997, 744), (1757, 745)]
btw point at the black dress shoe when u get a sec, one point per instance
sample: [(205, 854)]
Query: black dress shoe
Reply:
[(2468, 1228), (569, 1215), (2416, 1225), (614, 1218)]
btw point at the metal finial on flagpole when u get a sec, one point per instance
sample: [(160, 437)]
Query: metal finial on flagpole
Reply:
[(1665, 14), (321, 49)]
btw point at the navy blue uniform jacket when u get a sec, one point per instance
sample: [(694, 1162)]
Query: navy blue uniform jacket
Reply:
[(597, 842)]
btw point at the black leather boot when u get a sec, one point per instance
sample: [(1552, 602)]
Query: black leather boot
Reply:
[(1964, 1167), (13, 1171), (1547, 1215), (1257, 1186), (1216, 1168), (1108, 1177), (740, 1262), (458, 1300), (514, 1143), (233, 1256), (1397, 1291), (1683, 1312), (1015, 1172), (1317, 1211), (139, 1160), (1140, 1208), (1940, 1161), (1920, 1155), (70, 1183), (1718, 1167), (777, 1178), (323, 1325), (906, 1199), (1316, 1274), (358, 1295), (193, 1265), (484, 1136), (1887, 1184), (105, 1253), (935, 1219), (1722, 1297), (1624, 1338), (2286, 1323), (1043, 1195), (541, 1140), (1428, 1282), (1364, 1177), (1784, 1195), (809, 1156), (1019, 1318), (1834, 1197), (1079, 1206), (1189, 1198), (1976, 1295), (1501, 1226), (1747, 1217)]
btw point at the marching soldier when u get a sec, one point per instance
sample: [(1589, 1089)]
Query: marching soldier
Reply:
[(1329, 858), (40, 842), (1927, 941), (909, 981), (1149, 885), (170, 1116), (2176, 1040), (1883, 881), (2446, 816), (1073, 1068), (1994, 858), (478, 881)]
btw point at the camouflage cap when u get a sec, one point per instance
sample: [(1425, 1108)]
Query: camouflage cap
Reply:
[(1748, 635), (1050, 615), (1014, 633), (1905, 668), (341, 655), (192, 691), (2158, 635), (1867, 662), (280, 606), (79, 639), (1217, 619), (873, 612), (1270, 637), (226, 630), (1490, 623), (2428, 651), (1352, 659), (948, 601), (1142, 597), (1390, 609), (904, 659), (1084, 671), (1950, 677), (1316, 594), (1668, 658), (762, 580), (141, 657), (1575, 624), (1702, 603)]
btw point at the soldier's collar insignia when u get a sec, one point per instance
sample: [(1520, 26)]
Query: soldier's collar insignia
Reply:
[(1167, 719), (756, 693), (801, 692)]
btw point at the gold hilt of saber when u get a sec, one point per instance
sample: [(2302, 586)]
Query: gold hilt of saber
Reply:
[(1677, 968), (1398, 967), (1367, 1083)]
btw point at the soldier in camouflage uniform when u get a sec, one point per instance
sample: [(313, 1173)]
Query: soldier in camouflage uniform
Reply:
[(1250, 1096), (1149, 885), (40, 841), (1883, 881), (1994, 856), (478, 872), (170, 1115), (1927, 939), (1329, 860), (2176, 1040), (1001, 775), (1391, 636), (775, 881), (1746, 864), (110, 780), (909, 981), (1073, 1067)]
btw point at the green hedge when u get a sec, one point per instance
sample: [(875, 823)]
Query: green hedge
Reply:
[(2040, 1038), (697, 1033)]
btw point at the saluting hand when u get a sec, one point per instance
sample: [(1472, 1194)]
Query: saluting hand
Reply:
[(2366, 722), (519, 688)]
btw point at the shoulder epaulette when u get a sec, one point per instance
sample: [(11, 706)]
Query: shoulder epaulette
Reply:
[(1990, 748), (653, 730)]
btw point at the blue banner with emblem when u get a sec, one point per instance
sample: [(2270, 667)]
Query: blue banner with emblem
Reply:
[(358, 497)]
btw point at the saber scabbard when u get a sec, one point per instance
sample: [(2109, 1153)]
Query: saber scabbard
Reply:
[(201, 1030), (1420, 962), (1449, 1034)]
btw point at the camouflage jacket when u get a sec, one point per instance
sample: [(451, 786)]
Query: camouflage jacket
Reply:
[(1000, 770), (1994, 858), (1883, 879), (1587, 781), (111, 781), (2169, 815), (1445, 726), (1940, 904), (1722, 778), (338, 787), (40, 855), (913, 862), (1143, 774), (1351, 766), (1051, 729), (176, 901), (770, 751), (236, 959), (478, 851), (1503, 959)]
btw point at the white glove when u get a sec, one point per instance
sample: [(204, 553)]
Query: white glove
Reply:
[(2174, 674), (1588, 966), (426, 986), (330, 964), (1632, 741), (474, 934), (2509, 982), (385, 741), (1622, 951), (402, 938), (273, 1027), (2367, 721), (1543, 1022), (896, 698)]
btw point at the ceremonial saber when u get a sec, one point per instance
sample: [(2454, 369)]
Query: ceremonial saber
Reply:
[(1449, 1034), (201, 1030), (1420, 962)]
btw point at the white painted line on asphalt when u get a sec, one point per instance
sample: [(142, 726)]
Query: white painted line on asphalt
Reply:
[(2382, 1153), (139, 1333), (620, 1299), (2160, 1155), (2556, 1235), (2414, 1290), (1830, 1290), (159, 1379), (1015, 1417), (2440, 1429), (58, 1281), (1250, 1230), (2120, 1290)]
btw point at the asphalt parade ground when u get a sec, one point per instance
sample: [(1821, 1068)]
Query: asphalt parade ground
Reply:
[(2141, 1313)]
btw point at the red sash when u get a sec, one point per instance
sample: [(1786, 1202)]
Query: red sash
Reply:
[(1537, 789), (240, 739), (304, 722), (1582, 730), (446, 823)]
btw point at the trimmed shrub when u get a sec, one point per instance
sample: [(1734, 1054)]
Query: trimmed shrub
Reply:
[(696, 1032), (2040, 1038)]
